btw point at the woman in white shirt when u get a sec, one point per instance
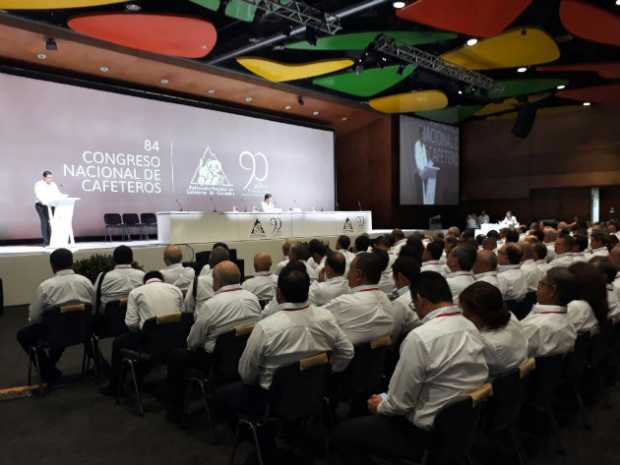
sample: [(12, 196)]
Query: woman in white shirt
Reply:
[(505, 342), (588, 312)]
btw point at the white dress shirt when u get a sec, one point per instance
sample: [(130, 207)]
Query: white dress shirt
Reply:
[(404, 310), (439, 361), (46, 193), (262, 285), (582, 317), (512, 281), (328, 290), (548, 331), (297, 332), (386, 283), (434, 265), (364, 315), (600, 252), (118, 283), (543, 266), (179, 275), (63, 288), (550, 251), (579, 257), (151, 300), (533, 274), (458, 282), (504, 348), (204, 290), (489, 277), (563, 260), (614, 304), (280, 266), (231, 306), (395, 249)]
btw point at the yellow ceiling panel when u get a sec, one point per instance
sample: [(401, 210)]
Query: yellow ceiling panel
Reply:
[(281, 72), (518, 47), (424, 100), (52, 4)]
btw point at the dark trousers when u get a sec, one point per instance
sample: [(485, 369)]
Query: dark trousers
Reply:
[(32, 335), (381, 435), (180, 362), (46, 230), (132, 341)]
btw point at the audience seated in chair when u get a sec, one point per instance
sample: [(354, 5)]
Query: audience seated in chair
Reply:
[(512, 281), (119, 282), (588, 312), (431, 257), (485, 268), (201, 288), (406, 270), (175, 273), (262, 285), (461, 261), (332, 283)]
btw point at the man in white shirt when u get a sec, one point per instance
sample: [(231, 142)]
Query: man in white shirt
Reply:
[(513, 282), (406, 270), (598, 245), (175, 273), (460, 262), (267, 205), (366, 313), (563, 252), (45, 191), (399, 239), (532, 272), (441, 360), (540, 257), (230, 307), (551, 236), (201, 288), (431, 258), (318, 252), (614, 258), (485, 268), (510, 221), (483, 218), (580, 247), (262, 285), (286, 248), (386, 283), (301, 253), (362, 243), (154, 299), (343, 243), (119, 282), (547, 327), (332, 283), (63, 288)]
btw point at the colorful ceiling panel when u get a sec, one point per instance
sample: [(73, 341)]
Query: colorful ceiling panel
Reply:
[(424, 100), (518, 47), (517, 87), (210, 4), (52, 4), (368, 82), (361, 40), (604, 70), (480, 18), (598, 94), (510, 104), (451, 115), (180, 36), (281, 72), (590, 22)]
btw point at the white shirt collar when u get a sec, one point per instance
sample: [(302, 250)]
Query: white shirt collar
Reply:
[(508, 267), (153, 280), (229, 288), (174, 266), (600, 249), (529, 261), (445, 311), (485, 274), (262, 273), (431, 262), (64, 272), (539, 308), (402, 291), (335, 279), (459, 273), (542, 260), (293, 306), (122, 267), (366, 287)]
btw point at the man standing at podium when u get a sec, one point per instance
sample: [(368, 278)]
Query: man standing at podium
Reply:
[(45, 190)]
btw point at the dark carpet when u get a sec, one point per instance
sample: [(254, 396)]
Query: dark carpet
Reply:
[(75, 425)]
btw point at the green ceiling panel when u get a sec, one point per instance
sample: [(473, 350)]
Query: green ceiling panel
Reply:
[(360, 40), (240, 10), (517, 87), (210, 4), (451, 115), (366, 83)]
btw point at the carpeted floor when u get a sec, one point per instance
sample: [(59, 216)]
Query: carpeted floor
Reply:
[(75, 425)]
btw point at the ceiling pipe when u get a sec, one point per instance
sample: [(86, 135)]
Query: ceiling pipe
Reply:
[(344, 13)]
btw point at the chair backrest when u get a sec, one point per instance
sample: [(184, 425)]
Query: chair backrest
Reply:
[(112, 219), (111, 322), (130, 219), (547, 376), (576, 360), (364, 372), (67, 325), (454, 428), (148, 218), (163, 335), (504, 406), (598, 350), (229, 347), (298, 390)]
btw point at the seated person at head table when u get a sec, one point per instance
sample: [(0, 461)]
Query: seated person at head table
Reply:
[(175, 273), (267, 205)]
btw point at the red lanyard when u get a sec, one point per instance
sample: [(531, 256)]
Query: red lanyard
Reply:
[(230, 290), (448, 314), (366, 290)]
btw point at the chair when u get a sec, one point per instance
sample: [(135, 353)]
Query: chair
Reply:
[(297, 393), (132, 221), (574, 368), (65, 326), (161, 336), (223, 369), (113, 221), (149, 224), (524, 307), (263, 303), (110, 323), (593, 372)]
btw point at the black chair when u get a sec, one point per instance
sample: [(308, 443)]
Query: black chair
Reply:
[(149, 224), (223, 369), (574, 367), (132, 222), (113, 221), (161, 336), (109, 323), (65, 326), (297, 393), (593, 383)]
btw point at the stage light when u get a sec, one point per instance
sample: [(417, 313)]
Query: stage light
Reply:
[(133, 7), (315, 113), (561, 87), (344, 118), (522, 69), (288, 107), (211, 91), (248, 99), (399, 5), (471, 42), (164, 81), (41, 56), (587, 104), (617, 2), (460, 92), (104, 69), (51, 45)]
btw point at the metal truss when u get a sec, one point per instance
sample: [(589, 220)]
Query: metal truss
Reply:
[(299, 13), (413, 55)]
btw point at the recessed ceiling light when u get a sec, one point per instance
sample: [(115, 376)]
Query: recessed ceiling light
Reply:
[(104, 69), (133, 7), (211, 91), (344, 118), (248, 99), (460, 92), (316, 113), (471, 42), (288, 107), (522, 69), (618, 2), (399, 5), (561, 87), (41, 56), (164, 81), (587, 104)]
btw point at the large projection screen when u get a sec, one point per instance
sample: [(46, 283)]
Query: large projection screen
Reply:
[(429, 163), (125, 154)]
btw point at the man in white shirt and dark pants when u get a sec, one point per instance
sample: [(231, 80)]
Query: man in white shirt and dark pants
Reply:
[(262, 285), (175, 273), (440, 361), (332, 282), (119, 282), (45, 190), (63, 288)]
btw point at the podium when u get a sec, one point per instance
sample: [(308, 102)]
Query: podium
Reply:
[(61, 221), (429, 184)]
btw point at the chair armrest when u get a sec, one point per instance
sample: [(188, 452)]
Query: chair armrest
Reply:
[(482, 393)]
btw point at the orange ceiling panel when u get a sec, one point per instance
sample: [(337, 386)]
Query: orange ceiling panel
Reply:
[(590, 22)]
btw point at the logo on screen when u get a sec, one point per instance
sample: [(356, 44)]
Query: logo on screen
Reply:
[(257, 166), (360, 221), (348, 225), (209, 177), (276, 225), (257, 230)]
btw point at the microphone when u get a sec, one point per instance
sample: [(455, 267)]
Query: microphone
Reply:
[(179, 204), (359, 204)]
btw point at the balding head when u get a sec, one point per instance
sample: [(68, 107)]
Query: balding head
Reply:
[(262, 262), (172, 255), (614, 256), (486, 260), (550, 234), (225, 273), (510, 254)]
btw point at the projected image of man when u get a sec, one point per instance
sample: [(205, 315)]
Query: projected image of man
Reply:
[(46, 191), (425, 170)]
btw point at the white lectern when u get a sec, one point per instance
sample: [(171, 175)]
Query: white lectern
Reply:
[(61, 221), (429, 184)]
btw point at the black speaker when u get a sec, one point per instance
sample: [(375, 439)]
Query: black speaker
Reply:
[(525, 121)]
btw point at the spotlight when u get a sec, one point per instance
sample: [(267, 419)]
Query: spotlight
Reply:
[(399, 5), (587, 104), (41, 56), (51, 45), (562, 86), (133, 7), (471, 42), (104, 69), (522, 69), (460, 92), (300, 100), (248, 99), (315, 113), (288, 107), (164, 81), (211, 91)]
